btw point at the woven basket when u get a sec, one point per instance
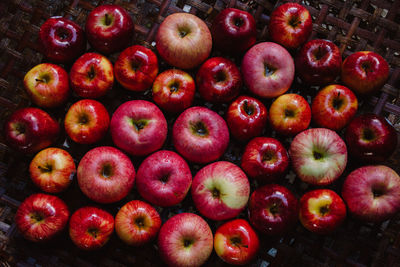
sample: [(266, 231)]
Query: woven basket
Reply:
[(352, 25)]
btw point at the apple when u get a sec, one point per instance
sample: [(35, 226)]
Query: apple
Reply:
[(136, 68), (40, 217), (138, 127), (334, 106), (246, 118), (273, 209), (91, 75), (183, 40), (61, 40), (235, 242), (90, 228), (365, 72), (372, 193), (105, 174), (370, 138), (137, 223), (173, 90), (52, 170), (163, 178), (200, 135), (220, 190), (234, 31), (290, 114), (47, 85), (109, 28), (318, 62), (318, 155), (321, 211), (267, 69), (86, 121), (185, 240), (290, 25), (265, 159), (29, 130)]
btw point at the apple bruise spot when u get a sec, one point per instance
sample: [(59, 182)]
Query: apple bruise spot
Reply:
[(199, 129), (36, 216), (45, 168), (269, 70), (368, 134), (93, 232), (248, 109)]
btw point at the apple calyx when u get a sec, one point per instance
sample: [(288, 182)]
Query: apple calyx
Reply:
[(199, 128), (93, 232), (140, 222), (215, 193), (37, 217), (268, 157), (318, 155)]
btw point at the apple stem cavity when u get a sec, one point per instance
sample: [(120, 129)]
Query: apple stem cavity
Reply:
[(238, 22), (45, 168), (187, 242), (289, 113), (139, 222), (139, 125), (274, 209), (268, 156), (91, 73), (248, 109), (93, 232), (135, 65), (220, 76), (199, 128), (317, 155), (378, 192), (216, 193), (368, 134), (45, 78), (37, 217), (269, 70), (83, 119), (183, 31), (294, 21), (20, 128), (174, 87), (324, 210), (236, 241), (106, 171), (337, 102), (107, 19)]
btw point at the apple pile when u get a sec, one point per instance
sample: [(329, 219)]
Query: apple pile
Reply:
[(140, 130)]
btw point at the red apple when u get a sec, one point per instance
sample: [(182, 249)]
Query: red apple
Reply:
[(105, 174), (41, 216), (52, 170), (137, 223), (136, 68)]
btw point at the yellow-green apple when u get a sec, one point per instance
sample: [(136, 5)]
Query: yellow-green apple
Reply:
[(372, 193), (163, 178), (365, 72), (318, 155), (105, 174), (137, 223), (138, 127), (200, 135), (90, 228), (185, 240), (273, 209), (52, 170), (267, 69), (91, 75), (290, 114), (41, 216), (220, 190), (173, 90), (334, 107), (183, 40), (235, 242), (136, 68), (321, 211), (86, 121), (290, 25)]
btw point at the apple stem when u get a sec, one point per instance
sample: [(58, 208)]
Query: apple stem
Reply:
[(248, 109), (46, 168), (107, 20)]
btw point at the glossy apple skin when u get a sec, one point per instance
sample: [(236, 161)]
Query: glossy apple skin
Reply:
[(290, 114), (218, 80), (183, 40), (318, 62), (112, 37), (233, 31), (365, 72), (273, 209), (136, 68), (138, 127), (265, 159), (235, 242), (290, 25), (220, 190), (318, 156), (321, 211), (29, 130), (90, 228), (137, 223), (47, 85), (200, 135), (334, 107), (61, 40), (370, 138), (184, 228), (274, 58), (86, 121), (92, 75), (173, 90), (40, 217), (52, 170), (105, 174), (372, 193), (246, 118)]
